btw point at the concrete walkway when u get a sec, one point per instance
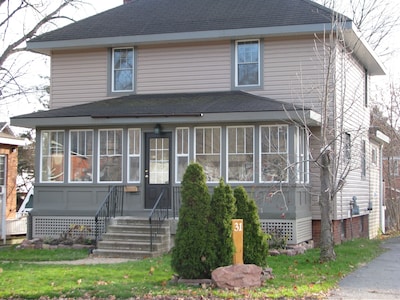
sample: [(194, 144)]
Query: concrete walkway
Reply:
[(380, 279)]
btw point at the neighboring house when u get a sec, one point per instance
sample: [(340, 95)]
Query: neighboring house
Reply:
[(8, 175), (141, 90)]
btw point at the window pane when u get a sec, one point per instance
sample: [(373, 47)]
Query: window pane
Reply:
[(123, 69), (110, 160), (240, 154), (247, 63), (134, 154), (81, 158), (208, 149), (182, 152), (52, 160), (274, 167)]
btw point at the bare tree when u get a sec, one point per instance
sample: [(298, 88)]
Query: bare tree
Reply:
[(21, 20)]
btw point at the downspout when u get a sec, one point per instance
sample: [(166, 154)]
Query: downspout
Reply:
[(382, 207)]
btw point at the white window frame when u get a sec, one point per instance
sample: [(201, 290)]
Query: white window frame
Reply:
[(246, 150), (135, 154), (237, 44), (363, 159), (302, 155), (86, 154), (109, 154), (50, 154), (271, 151), (113, 70), (180, 152), (211, 148)]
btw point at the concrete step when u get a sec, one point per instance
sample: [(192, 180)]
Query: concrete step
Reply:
[(124, 254), (124, 245), (132, 237)]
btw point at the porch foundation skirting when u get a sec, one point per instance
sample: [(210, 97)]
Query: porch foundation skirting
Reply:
[(54, 226), (296, 231)]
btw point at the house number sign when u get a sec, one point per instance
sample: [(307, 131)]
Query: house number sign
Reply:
[(237, 236)]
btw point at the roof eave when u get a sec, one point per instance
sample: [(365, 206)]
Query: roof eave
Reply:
[(308, 117), (46, 47)]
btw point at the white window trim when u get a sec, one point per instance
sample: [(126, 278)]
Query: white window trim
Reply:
[(227, 154), (260, 153), (134, 155), (113, 90), (41, 157), (220, 147), (236, 63), (69, 155), (176, 150), (99, 155)]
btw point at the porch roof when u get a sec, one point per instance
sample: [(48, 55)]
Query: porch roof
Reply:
[(171, 108)]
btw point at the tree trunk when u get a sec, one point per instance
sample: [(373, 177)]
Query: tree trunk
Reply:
[(326, 240)]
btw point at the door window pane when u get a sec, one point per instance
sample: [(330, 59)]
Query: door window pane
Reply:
[(159, 161)]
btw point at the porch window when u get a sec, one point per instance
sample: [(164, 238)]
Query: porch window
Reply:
[(134, 143), (182, 152), (81, 155), (247, 63), (240, 154), (208, 151), (302, 155), (122, 70), (52, 156), (274, 153), (110, 158)]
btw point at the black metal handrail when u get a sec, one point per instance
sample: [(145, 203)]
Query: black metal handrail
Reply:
[(157, 216), (112, 206)]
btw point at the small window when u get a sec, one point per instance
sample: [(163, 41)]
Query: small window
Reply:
[(247, 63), (347, 147), (52, 156), (81, 155), (122, 70), (110, 155), (240, 154), (208, 151), (182, 152), (363, 159), (134, 144), (274, 153), (374, 156)]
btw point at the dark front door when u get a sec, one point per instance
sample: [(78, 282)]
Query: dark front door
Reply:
[(157, 169)]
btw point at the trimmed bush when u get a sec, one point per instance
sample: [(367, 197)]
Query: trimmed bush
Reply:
[(192, 256), (255, 246), (223, 207)]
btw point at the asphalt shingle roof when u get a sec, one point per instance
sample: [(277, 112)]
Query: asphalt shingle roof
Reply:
[(146, 17), (168, 105)]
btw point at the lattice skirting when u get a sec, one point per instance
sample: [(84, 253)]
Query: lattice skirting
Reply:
[(296, 231), (53, 227)]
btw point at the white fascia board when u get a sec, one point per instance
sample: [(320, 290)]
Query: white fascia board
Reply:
[(47, 47), (10, 141)]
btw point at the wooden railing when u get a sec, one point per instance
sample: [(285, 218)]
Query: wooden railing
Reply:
[(113, 205), (157, 216)]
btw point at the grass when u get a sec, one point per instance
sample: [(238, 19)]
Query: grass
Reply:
[(295, 276)]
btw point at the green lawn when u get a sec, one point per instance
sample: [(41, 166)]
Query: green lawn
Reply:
[(295, 276)]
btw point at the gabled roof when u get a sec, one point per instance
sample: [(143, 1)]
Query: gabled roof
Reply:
[(170, 108)]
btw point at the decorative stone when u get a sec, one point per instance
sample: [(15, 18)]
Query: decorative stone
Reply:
[(274, 252), (237, 276)]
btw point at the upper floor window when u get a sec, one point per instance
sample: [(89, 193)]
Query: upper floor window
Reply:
[(110, 158), (52, 156), (240, 154), (134, 154), (274, 153), (346, 147), (247, 63), (122, 69), (208, 151), (182, 152), (81, 155)]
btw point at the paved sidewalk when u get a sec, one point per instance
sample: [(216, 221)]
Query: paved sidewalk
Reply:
[(380, 279)]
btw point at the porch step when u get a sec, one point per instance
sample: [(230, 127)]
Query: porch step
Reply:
[(128, 237)]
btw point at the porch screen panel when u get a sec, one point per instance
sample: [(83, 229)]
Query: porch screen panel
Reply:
[(134, 154), (52, 156), (110, 159), (81, 155), (208, 151), (182, 152), (274, 153), (241, 154)]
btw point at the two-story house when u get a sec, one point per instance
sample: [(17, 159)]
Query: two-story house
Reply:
[(141, 90)]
